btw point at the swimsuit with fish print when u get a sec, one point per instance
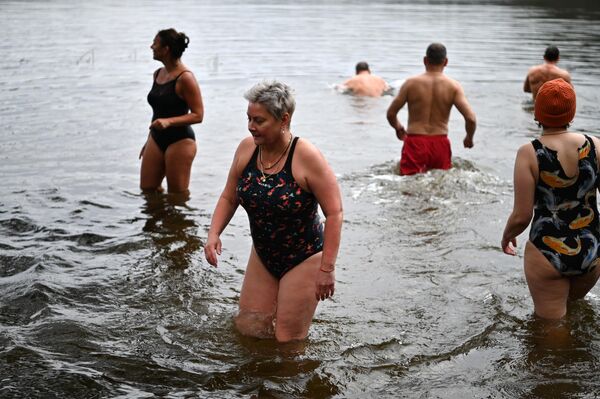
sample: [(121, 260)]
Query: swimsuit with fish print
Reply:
[(565, 224)]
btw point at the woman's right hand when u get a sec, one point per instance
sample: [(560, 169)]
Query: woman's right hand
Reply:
[(212, 249), (509, 245)]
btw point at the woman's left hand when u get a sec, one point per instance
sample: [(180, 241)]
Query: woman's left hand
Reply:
[(160, 124), (325, 285)]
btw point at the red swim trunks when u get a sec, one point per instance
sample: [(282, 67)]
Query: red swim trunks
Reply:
[(422, 152)]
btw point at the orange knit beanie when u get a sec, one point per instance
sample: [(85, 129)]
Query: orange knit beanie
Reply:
[(555, 103)]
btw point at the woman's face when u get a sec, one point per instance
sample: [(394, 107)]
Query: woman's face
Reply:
[(262, 125), (158, 51)]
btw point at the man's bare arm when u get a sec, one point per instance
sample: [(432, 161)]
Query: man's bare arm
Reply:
[(394, 108), (461, 103), (526, 86)]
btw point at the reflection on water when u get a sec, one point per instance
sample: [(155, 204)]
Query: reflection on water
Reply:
[(171, 228), (561, 352)]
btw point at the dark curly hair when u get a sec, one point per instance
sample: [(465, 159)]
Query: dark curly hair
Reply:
[(176, 41)]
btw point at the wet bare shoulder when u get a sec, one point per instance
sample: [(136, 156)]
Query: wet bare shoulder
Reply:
[(413, 84), (307, 152), (527, 153), (453, 85), (453, 82), (408, 82), (311, 170), (243, 154), (534, 69), (309, 156)]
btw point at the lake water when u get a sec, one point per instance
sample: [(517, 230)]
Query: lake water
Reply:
[(105, 292)]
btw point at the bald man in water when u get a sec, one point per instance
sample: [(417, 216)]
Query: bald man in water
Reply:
[(540, 74), (430, 97), (364, 83)]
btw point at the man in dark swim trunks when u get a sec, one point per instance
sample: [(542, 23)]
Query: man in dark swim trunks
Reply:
[(430, 97)]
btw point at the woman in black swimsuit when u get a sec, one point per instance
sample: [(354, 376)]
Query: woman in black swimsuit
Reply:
[(280, 180), (176, 104)]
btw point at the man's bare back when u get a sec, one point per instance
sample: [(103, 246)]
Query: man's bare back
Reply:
[(365, 84), (540, 74), (430, 97)]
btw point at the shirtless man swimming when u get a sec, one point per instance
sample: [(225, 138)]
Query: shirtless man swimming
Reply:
[(540, 74), (364, 83), (430, 97)]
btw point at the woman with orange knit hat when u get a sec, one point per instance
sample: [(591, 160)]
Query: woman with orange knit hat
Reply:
[(555, 181)]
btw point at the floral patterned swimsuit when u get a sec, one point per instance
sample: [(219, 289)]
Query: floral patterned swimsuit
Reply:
[(284, 219), (565, 224)]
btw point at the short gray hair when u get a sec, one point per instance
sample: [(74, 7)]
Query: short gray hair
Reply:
[(276, 97)]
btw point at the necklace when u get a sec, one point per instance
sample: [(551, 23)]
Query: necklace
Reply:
[(278, 159), (554, 132), (263, 167)]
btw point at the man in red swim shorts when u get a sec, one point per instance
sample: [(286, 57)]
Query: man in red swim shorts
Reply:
[(430, 97)]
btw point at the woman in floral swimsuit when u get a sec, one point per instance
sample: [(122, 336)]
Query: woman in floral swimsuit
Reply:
[(280, 180)]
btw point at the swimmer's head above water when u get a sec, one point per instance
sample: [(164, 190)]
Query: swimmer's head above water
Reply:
[(362, 67), (436, 54)]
